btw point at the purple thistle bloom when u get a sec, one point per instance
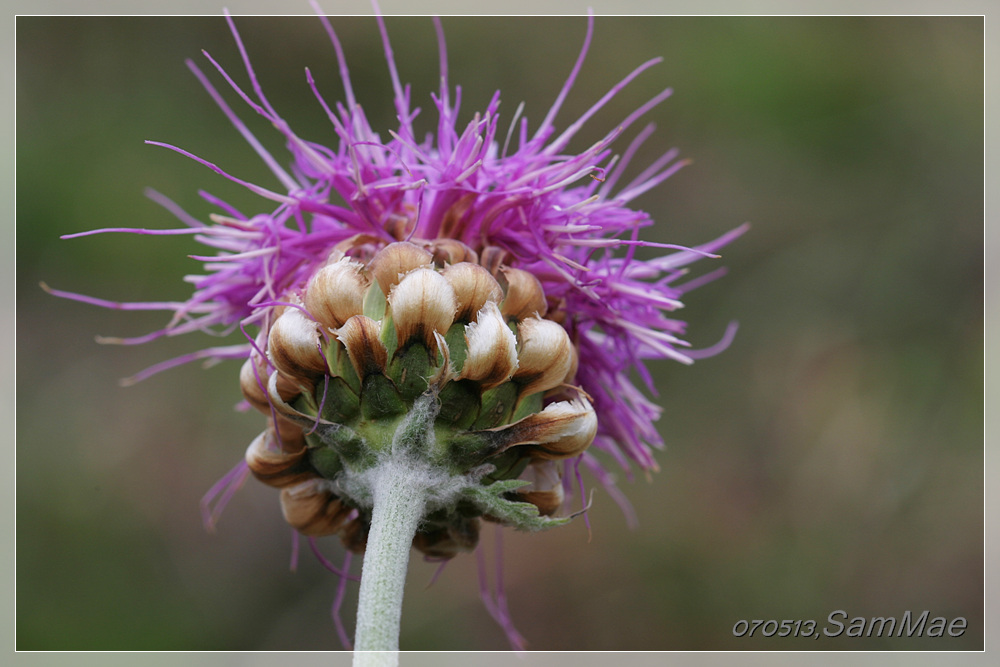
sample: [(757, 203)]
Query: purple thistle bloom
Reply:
[(562, 217)]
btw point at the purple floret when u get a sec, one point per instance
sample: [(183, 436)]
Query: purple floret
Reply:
[(560, 216)]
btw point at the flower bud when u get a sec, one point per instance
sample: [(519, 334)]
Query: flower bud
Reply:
[(525, 296), (423, 302), (336, 292), (360, 335), (396, 259), (293, 346), (545, 356), (311, 508), (275, 467), (473, 286), (491, 356)]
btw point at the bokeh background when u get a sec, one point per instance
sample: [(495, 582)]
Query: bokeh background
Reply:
[(832, 458)]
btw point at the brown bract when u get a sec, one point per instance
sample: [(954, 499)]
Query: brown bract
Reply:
[(311, 508), (447, 542), (525, 296), (422, 303), (395, 260), (360, 335), (491, 349), (276, 467), (336, 292), (293, 346), (254, 386), (546, 490), (473, 286), (561, 430), (451, 251), (545, 355)]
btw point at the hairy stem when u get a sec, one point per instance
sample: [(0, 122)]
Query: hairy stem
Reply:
[(399, 501)]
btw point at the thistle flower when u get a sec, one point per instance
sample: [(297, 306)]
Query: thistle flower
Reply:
[(466, 305)]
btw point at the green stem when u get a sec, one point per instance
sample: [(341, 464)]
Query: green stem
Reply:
[(398, 505)]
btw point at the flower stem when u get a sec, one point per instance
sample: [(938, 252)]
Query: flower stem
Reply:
[(399, 501)]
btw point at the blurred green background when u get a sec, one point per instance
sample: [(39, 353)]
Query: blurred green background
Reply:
[(830, 459)]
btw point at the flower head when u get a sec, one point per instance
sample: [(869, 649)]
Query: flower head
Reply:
[(493, 272)]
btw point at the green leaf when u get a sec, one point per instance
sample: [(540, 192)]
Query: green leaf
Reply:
[(340, 364), (457, 346), (490, 500), (508, 465), (375, 303), (528, 405)]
